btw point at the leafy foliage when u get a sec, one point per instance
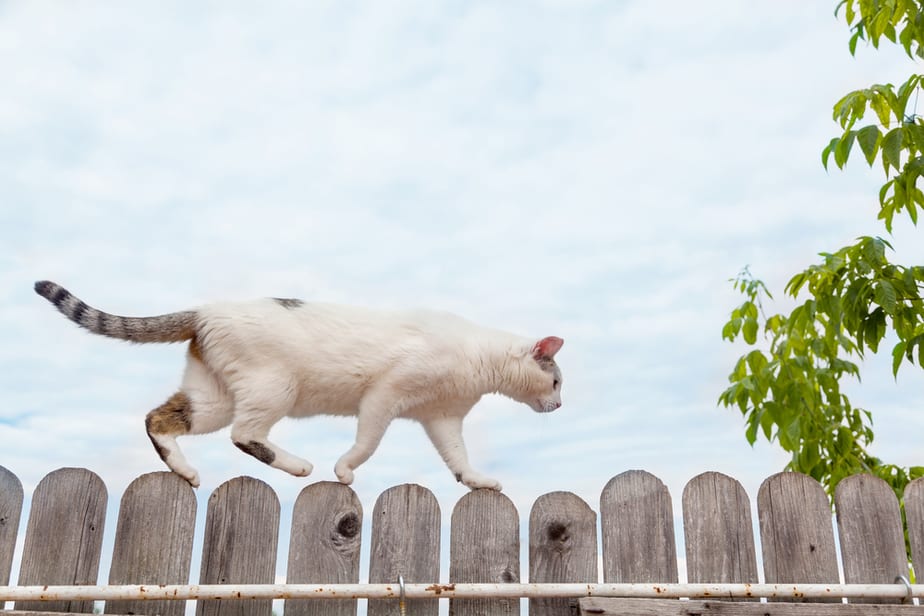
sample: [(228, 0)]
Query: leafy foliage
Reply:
[(789, 386)]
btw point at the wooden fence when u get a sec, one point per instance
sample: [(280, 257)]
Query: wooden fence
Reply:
[(156, 522)]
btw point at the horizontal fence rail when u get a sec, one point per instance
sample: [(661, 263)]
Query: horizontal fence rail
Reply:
[(226, 592), (627, 542)]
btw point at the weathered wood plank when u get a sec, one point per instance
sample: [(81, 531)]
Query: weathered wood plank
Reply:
[(405, 542), (718, 530), (324, 546), (10, 511), (239, 547), (484, 547), (154, 540), (562, 547), (64, 536), (869, 524), (914, 517), (668, 607), (638, 530), (796, 530)]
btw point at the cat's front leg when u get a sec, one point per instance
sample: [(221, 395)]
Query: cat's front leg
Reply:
[(369, 432), (446, 434)]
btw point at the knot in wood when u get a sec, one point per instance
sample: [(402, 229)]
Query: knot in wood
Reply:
[(348, 525), (557, 532)]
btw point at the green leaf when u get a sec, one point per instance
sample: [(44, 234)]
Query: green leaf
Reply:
[(826, 153), (891, 149), (880, 105), (869, 138), (842, 150), (898, 354), (749, 330)]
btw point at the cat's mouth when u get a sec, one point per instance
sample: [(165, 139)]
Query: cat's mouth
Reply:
[(546, 406)]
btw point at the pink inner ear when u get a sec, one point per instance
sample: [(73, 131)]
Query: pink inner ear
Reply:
[(547, 347)]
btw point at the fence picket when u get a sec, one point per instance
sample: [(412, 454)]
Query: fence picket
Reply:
[(562, 546), (64, 536), (324, 546), (406, 542), (869, 524), (10, 511), (154, 540), (484, 547), (718, 531), (796, 531), (239, 547), (914, 514), (638, 529)]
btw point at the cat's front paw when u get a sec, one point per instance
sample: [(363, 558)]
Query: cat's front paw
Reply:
[(476, 481), (344, 473), (189, 475)]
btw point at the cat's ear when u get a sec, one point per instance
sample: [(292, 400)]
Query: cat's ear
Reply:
[(547, 347)]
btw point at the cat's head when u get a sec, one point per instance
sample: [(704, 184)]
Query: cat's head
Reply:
[(542, 385)]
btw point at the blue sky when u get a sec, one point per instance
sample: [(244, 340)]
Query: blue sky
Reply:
[(591, 170)]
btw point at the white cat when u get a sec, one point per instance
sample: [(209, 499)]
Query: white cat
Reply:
[(250, 364)]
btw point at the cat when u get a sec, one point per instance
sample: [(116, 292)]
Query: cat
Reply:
[(249, 364)]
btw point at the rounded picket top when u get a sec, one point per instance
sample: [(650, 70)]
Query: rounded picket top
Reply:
[(154, 540), (562, 546), (64, 536), (11, 497), (872, 537), (637, 521), (796, 530), (239, 547), (324, 545), (484, 547), (718, 530), (405, 542)]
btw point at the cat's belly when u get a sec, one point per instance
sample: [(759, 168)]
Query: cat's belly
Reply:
[(314, 402)]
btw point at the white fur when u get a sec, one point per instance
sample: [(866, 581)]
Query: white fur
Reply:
[(262, 361)]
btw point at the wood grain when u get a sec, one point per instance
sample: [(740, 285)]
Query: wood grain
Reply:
[(154, 540), (406, 542), (796, 530), (239, 547), (10, 511), (638, 530), (562, 547), (869, 524), (718, 531), (914, 517), (324, 546), (64, 536), (484, 547)]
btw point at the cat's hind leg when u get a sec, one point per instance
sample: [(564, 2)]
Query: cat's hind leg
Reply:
[(202, 405), (172, 419), (256, 410)]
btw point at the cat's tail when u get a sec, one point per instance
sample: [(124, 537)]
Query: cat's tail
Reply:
[(173, 327)]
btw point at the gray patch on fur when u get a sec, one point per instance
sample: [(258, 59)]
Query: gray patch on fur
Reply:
[(291, 304), (258, 450)]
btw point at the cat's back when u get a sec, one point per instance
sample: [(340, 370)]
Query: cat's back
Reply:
[(323, 323)]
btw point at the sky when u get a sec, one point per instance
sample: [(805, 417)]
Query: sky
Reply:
[(591, 170)]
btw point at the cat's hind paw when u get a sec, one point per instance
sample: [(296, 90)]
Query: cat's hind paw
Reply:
[(476, 481)]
